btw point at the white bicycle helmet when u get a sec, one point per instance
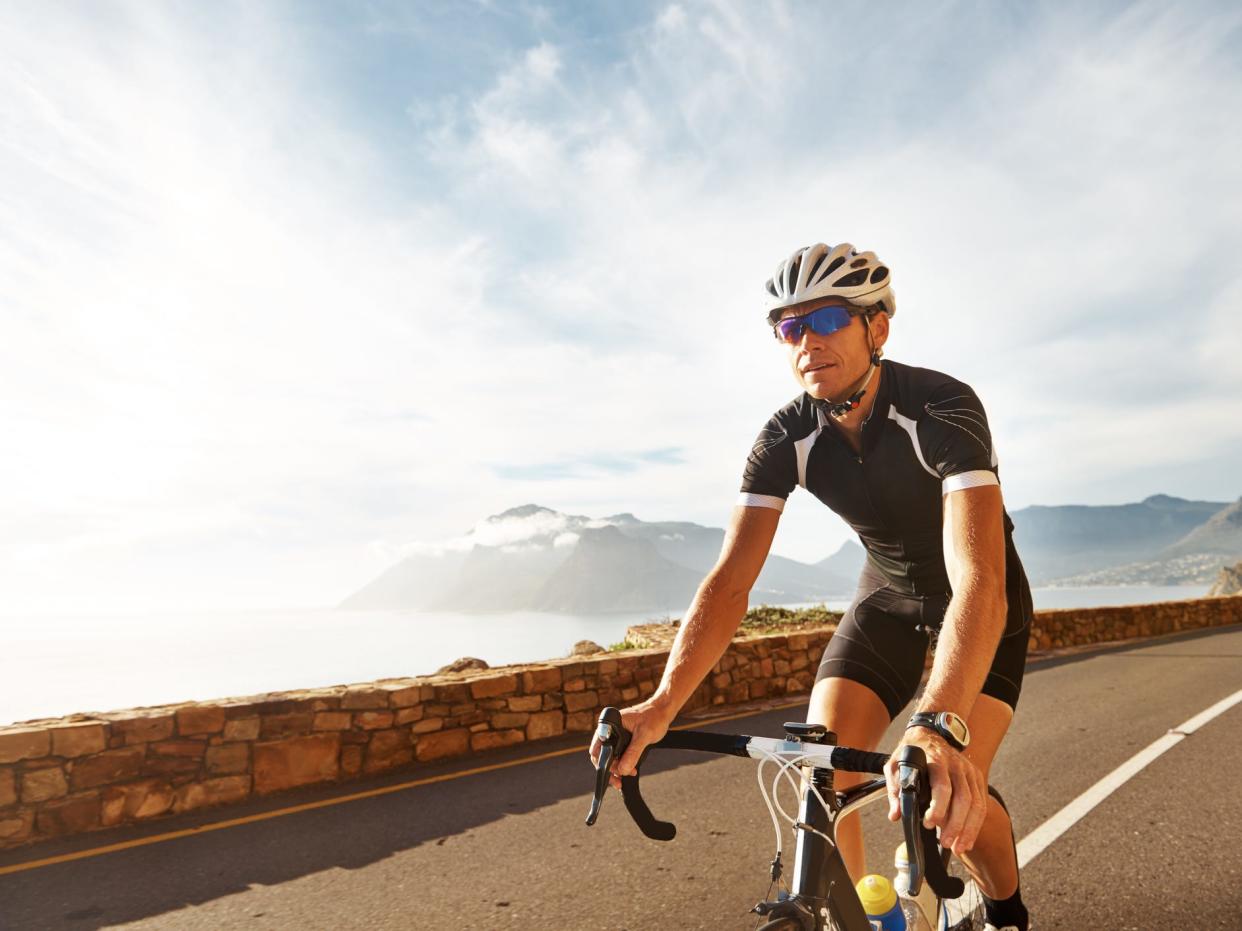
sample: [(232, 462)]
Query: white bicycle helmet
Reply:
[(820, 271)]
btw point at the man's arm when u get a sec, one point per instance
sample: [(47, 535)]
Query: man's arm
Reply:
[(705, 633), (974, 554)]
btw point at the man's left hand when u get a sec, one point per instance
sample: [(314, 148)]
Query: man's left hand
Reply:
[(959, 795)]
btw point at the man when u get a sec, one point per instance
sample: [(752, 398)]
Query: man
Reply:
[(905, 456)]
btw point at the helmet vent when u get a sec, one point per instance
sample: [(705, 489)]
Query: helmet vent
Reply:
[(794, 265), (852, 280), (814, 268), (879, 275), (834, 265), (771, 285), (858, 263)]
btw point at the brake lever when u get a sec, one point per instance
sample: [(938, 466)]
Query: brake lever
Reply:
[(614, 738), (922, 844)]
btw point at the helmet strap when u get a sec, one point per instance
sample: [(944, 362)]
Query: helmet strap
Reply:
[(840, 409)]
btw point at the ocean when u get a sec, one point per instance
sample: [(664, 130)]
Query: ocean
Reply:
[(58, 665)]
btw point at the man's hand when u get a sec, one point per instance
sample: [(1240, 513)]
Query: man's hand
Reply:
[(647, 722), (959, 797)]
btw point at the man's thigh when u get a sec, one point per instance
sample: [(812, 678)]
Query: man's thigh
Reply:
[(849, 709)]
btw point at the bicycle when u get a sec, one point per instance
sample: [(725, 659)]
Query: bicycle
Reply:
[(820, 896)]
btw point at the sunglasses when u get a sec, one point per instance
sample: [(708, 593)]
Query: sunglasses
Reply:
[(822, 321)]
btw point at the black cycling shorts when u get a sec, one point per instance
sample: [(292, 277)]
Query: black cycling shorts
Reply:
[(882, 640)]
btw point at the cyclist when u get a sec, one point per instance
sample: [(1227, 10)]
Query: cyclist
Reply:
[(905, 456)]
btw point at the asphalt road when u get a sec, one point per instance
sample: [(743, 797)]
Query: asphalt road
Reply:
[(507, 848)]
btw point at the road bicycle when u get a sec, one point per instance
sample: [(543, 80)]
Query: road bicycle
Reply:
[(820, 895)]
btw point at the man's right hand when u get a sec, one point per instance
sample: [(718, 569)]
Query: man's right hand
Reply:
[(647, 722)]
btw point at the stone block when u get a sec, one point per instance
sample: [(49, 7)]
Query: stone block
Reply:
[(293, 724), (186, 766), (8, 786), (489, 740), (296, 761), (541, 680), (577, 701), (143, 729), (242, 728), (545, 724), (721, 680), (405, 697), (351, 760), (606, 667), (74, 740), (103, 768), (576, 684), (200, 719), (135, 801), (427, 725), (493, 686), (408, 715), (443, 744), (629, 693), (581, 721), (228, 759), (71, 815), (39, 785), (373, 720), (24, 743), (553, 700), (388, 749), (333, 721), (525, 702), (222, 791), (364, 699), (193, 749), (16, 827), (509, 719)]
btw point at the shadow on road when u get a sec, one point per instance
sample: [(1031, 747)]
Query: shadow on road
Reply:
[(160, 878)]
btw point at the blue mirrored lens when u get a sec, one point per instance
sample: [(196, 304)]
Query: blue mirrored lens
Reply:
[(823, 321)]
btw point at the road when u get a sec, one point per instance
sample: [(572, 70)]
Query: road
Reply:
[(506, 847)]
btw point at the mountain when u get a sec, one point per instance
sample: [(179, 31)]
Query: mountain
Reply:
[(847, 562), (536, 559), (1072, 540), (1222, 533)]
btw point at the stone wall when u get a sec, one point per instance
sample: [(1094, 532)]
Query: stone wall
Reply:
[(91, 771)]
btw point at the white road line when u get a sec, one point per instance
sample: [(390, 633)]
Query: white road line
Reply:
[(1035, 843)]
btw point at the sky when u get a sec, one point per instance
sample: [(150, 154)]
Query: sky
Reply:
[(290, 289)]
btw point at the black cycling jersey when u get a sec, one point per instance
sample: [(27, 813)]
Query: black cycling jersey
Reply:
[(927, 435)]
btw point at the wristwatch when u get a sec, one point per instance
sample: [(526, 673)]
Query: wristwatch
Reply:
[(948, 725)]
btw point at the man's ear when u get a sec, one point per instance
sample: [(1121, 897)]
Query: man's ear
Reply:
[(878, 325)]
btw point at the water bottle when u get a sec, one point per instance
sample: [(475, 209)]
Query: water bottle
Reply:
[(909, 906), (879, 901)]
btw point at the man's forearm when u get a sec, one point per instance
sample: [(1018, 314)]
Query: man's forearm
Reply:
[(704, 635), (966, 644)]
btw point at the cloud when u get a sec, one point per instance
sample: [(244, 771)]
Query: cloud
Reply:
[(264, 285)]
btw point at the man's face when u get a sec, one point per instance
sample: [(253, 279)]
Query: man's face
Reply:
[(825, 367)]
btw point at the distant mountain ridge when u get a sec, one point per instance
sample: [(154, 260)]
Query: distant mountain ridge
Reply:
[(537, 559), (1066, 542), (532, 558)]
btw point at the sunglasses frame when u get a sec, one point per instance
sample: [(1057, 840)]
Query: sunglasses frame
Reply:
[(805, 323)]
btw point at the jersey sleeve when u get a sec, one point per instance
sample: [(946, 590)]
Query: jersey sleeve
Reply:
[(957, 440), (771, 471)]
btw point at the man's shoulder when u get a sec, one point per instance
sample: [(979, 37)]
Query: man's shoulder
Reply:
[(797, 416), (914, 387)]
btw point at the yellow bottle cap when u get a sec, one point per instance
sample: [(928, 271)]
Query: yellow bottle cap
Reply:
[(876, 893)]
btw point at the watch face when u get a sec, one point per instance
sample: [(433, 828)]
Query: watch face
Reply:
[(956, 726)]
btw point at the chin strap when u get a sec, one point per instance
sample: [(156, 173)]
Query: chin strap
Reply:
[(840, 409)]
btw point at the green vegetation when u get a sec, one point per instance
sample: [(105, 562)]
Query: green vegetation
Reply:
[(774, 619), (622, 646)]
